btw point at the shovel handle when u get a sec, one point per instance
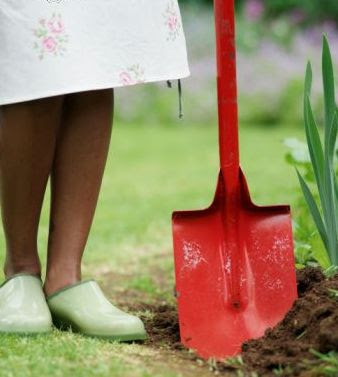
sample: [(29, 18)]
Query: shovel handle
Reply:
[(228, 142), (224, 11)]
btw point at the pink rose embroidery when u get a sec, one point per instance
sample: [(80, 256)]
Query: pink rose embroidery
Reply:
[(125, 78), (172, 20), (50, 36), (49, 44), (132, 75), (55, 25)]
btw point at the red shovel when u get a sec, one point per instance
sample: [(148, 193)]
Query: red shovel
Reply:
[(234, 261)]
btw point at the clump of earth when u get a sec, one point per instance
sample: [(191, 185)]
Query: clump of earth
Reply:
[(312, 323)]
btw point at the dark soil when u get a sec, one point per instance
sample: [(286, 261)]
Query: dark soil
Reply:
[(312, 323), (162, 327)]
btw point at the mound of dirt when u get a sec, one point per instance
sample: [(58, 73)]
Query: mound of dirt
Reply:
[(312, 322)]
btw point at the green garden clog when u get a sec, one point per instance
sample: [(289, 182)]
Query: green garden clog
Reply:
[(84, 308), (23, 307)]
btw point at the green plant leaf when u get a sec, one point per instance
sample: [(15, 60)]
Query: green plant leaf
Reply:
[(316, 152), (330, 216), (332, 139), (314, 142), (322, 258), (313, 209), (322, 160), (329, 92), (319, 252), (308, 80), (330, 160), (311, 131), (330, 183)]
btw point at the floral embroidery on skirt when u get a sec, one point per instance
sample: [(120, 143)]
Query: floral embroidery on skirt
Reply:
[(51, 36)]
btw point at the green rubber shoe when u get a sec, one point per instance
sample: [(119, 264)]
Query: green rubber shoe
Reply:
[(84, 308), (23, 307)]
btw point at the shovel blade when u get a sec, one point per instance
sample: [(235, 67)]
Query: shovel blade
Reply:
[(211, 322)]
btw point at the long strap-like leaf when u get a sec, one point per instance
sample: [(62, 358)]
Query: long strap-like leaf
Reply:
[(316, 154), (313, 210), (330, 192), (330, 183), (311, 131), (329, 91)]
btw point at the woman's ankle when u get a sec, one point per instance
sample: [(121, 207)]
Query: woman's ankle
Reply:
[(59, 278), (11, 268)]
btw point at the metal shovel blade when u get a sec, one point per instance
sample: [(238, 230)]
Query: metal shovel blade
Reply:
[(232, 287)]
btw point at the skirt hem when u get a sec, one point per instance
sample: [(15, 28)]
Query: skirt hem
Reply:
[(86, 88)]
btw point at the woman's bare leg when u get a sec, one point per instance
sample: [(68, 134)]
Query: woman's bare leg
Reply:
[(27, 142), (80, 158)]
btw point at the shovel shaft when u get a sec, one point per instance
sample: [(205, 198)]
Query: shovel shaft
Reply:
[(228, 144), (227, 92)]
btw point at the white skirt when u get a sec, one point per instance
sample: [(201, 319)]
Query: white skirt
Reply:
[(53, 47)]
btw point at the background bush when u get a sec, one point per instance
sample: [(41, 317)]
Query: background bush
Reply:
[(310, 10)]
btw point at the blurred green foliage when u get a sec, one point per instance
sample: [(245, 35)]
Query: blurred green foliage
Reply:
[(271, 111), (312, 10)]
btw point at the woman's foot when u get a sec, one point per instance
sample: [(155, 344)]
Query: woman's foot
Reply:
[(23, 308), (84, 308)]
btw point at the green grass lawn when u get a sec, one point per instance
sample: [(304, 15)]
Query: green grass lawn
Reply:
[(151, 171)]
